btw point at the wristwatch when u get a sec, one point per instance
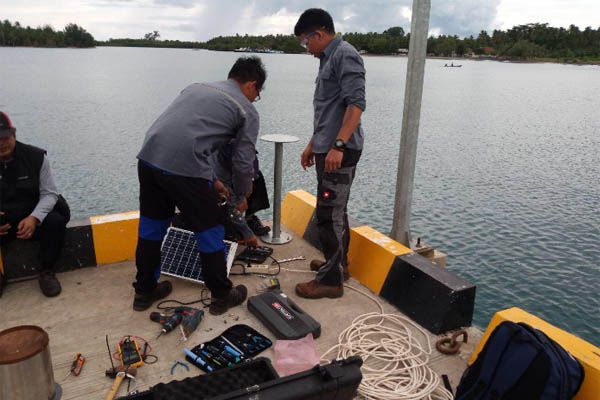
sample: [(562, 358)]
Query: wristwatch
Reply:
[(339, 145)]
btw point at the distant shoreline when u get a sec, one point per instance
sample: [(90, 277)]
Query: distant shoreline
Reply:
[(499, 59)]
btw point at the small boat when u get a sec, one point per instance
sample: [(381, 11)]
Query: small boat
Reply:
[(452, 65)]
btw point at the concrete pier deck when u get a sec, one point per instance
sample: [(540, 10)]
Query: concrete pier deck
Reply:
[(97, 301)]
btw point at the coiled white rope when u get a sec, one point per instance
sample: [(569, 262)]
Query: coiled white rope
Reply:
[(394, 362)]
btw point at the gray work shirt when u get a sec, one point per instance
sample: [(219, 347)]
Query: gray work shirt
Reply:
[(341, 82), (204, 115)]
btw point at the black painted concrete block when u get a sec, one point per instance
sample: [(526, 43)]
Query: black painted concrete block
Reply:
[(429, 294), (79, 247), (21, 257)]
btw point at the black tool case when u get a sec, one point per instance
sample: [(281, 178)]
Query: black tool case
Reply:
[(256, 380), (282, 316)]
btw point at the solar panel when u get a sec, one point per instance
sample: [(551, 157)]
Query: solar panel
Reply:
[(179, 255)]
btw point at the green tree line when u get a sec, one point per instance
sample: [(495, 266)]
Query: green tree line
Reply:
[(150, 43), (524, 42), (44, 36), (520, 42)]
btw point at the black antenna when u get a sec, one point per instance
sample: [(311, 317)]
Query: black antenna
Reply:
[(109, 354)]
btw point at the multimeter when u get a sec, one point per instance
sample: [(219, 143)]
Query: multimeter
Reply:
[(130, 353)]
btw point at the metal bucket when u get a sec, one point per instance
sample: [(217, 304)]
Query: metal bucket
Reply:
[(25, 365)]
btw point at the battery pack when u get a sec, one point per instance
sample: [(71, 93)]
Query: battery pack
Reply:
[(282, 316)]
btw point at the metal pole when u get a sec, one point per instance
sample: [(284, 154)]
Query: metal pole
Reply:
[(277, 191), (276, 236), (413, 93)]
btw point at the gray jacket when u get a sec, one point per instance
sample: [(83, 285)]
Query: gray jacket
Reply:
[(341, 82), (181, 141)]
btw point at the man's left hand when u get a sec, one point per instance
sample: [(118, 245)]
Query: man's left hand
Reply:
[(333, 160), (26, 227)]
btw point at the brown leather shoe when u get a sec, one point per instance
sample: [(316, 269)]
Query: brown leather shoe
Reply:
[(49, 285), (315, 265), (316, 290)]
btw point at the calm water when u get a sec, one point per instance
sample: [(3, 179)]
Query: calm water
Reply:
[(507, 180)]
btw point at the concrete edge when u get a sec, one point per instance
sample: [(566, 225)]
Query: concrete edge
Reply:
[(393, 271), (89, 242)]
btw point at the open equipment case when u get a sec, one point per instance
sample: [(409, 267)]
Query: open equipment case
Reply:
[(257, 380)]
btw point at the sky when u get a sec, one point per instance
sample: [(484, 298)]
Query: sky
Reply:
[(200, 20)]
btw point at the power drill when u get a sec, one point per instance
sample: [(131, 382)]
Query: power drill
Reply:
[(168, 322), (190, 317), (191, 320)]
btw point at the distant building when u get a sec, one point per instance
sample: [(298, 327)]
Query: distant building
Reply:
[(488, 51)]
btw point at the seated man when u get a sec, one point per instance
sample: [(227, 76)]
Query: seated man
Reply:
[(31, 208)]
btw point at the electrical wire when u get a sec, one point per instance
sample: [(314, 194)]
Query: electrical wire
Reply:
[(394, 361), (202, 300)]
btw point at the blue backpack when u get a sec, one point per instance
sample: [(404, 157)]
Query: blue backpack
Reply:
[(519, 362)]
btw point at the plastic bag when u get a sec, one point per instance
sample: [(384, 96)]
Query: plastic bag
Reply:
[(292, 356)]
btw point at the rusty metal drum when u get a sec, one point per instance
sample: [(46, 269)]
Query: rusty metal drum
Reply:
[(25, 365)]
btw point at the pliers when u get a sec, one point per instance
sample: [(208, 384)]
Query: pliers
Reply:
[(179, 363)]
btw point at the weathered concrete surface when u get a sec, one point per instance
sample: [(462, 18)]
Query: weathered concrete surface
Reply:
[(98, 301)]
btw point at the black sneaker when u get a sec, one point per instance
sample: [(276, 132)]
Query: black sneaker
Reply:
[(256, 226), (143, 300), (235, 297), (49, 285)]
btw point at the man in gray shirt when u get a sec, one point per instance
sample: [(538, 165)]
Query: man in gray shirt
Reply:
[(30, 205), (335, 147), (175, 169)]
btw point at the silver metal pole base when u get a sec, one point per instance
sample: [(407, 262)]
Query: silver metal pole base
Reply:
[(282, 239), (57, 392)]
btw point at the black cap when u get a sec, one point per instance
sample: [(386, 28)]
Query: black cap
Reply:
[(6, 127)]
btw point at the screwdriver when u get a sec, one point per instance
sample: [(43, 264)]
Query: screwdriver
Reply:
[(76, 365)]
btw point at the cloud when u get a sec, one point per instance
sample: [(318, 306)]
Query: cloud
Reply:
[(177, 3), (463, 17), (201, 20)]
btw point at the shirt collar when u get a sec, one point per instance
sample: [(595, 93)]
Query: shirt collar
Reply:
[(335, 42)]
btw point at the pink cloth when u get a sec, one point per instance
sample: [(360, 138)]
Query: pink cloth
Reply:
[(292, 356)]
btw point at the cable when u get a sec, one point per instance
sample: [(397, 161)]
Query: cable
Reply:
[(394, 362), (180, 303), (145, 359)]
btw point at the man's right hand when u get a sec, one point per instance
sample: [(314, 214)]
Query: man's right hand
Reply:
[(253, 241), (221, 189), (243, 206), (307, 159), (4, 228)]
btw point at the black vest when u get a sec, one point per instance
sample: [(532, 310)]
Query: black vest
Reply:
[(20, 182)]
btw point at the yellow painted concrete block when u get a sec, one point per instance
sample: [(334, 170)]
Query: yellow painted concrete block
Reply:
[(371, 255), (297, 209), (586, 353), (115, 236)]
